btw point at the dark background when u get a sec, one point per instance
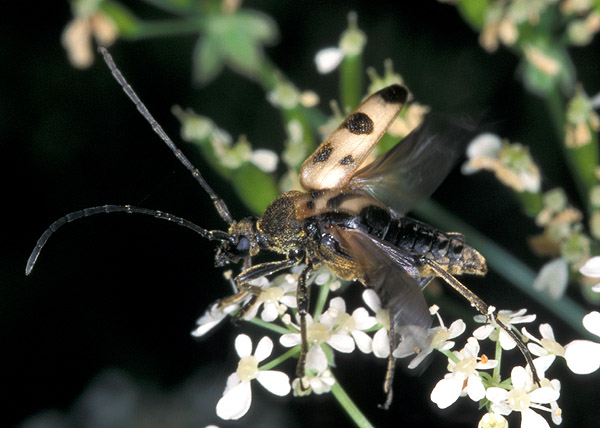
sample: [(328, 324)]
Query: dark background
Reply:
[(125, 291)]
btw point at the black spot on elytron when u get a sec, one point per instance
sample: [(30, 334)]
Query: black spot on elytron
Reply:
[(323, 154), (347, 160), (310, 205), (359, 124), (394, 94)]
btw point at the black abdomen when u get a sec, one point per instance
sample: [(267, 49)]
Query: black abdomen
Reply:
[(418, 238)]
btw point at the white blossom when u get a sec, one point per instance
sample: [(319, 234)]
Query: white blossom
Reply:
[(591, 268), (506, 317), (237, 396), (524, 397), (328, 59), (278, 297), (318, 334), (463, 377), (381, 338), (492, 420), (583, 356), (211, 318), (438, 338), (354, 325)]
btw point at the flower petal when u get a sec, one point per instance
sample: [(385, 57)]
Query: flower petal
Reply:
[(328, 59), (519, 377), (316, 359), (274, 381), (530, 419), (264, 348), (342, 342), (475, 388), (483, 332), (372, 300), (446, 392), (544, 395), (363, 341), (236, 402), (270, 312), (381, 344), (243, 345), (591, 268), (290, 339), (583, 356), (591, 322)]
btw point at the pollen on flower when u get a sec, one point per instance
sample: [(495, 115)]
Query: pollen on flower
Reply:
[(346, 323), (518, 399), (484, 359), (271, 295), (247, 368), (318, 333)]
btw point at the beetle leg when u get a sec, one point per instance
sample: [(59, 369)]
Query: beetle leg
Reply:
[(484, 309), (391, 367), (303, 301)]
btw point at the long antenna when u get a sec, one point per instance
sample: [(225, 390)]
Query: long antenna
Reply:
[(217, 201), (213, 235)]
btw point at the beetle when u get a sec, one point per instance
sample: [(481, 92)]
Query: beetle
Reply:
[(350, 218)]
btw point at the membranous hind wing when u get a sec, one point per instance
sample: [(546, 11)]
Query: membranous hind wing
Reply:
[(394, 276), (337, 159), (411, 171)]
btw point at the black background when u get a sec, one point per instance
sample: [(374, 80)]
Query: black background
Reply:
[(125, 291)]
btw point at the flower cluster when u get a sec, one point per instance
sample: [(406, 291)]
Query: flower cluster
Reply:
[(470, 373)]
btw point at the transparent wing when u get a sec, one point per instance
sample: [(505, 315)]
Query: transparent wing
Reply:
[(411, 171), (395, 278)]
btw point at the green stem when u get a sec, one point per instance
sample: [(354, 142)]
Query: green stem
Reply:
[(166, 28), (269, 326), (349, 406), (497, 357), (322, 299), (581, 161), (274, 363), (505, 264)]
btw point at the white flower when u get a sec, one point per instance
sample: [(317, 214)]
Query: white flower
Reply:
[(506, 317), (381, 339), (319, 383), (211, 318), (524, 397), (463, 376), (492, 420), (266, 160), (237, 395), (317, 334), (328, 59), (545, 348), (583, 356), (438, 338), (277, 298), (341, 322), (553, 278), (591, 268)]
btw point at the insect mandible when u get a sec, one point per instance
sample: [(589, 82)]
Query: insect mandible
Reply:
[(350, 218)]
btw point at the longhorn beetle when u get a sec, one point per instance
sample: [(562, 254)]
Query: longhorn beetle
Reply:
[(350, 218)]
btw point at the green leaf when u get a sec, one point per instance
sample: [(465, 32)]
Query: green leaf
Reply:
[(125, 21), (236, 40), (256, 188), (473, 11), (207, 60)]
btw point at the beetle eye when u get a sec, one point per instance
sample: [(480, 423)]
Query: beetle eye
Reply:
[(243, 245)]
